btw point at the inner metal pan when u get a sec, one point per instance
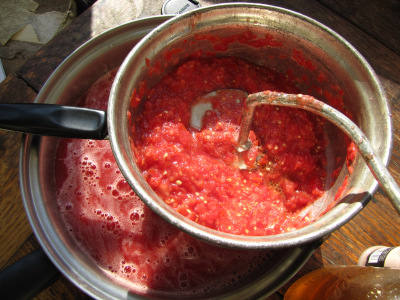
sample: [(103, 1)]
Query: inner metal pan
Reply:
[(340, 64)]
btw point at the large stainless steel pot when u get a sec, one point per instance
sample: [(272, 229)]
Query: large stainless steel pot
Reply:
[(307, 48), (71, 80)]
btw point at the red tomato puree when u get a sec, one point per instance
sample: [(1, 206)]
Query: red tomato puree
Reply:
[(130, 243), (196, 171)]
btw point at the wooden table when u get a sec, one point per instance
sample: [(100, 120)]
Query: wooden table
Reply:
[(372, 27)]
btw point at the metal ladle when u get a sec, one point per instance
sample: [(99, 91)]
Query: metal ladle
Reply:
[(322, 109)]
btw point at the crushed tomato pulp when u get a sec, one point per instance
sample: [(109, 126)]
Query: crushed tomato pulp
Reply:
[(196, 171)]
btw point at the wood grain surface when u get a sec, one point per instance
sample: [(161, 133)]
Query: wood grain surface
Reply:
[(371, 28)]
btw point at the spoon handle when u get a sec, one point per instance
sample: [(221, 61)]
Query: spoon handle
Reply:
[(28, 277), (311, 104), (53, 120)]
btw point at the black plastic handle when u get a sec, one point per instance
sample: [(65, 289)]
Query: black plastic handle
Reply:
[(28, 276), (54, 120)]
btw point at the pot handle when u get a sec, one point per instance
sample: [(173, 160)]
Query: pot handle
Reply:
[(54, 120), (28, 276)]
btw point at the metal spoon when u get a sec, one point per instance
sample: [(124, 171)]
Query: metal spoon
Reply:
[(322, 109)]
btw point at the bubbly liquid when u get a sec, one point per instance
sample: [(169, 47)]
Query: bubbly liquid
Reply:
[(129, 242)]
